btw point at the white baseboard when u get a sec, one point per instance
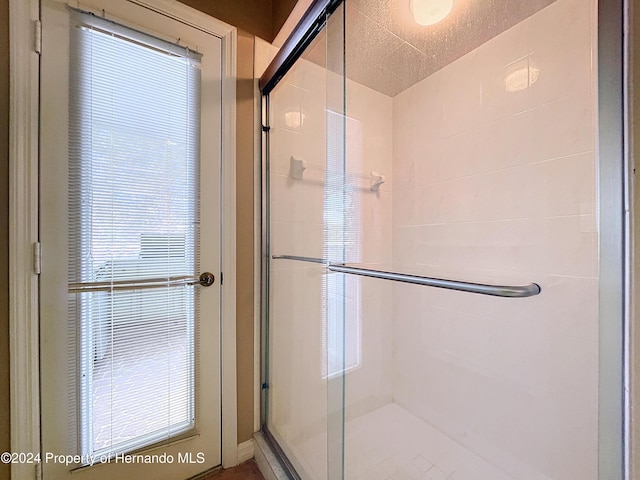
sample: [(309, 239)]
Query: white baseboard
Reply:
[(245, 451)]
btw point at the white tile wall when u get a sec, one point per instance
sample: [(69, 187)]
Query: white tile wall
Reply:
[(505, 191)]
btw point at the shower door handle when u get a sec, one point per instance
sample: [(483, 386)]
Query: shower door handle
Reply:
[(512, 291)]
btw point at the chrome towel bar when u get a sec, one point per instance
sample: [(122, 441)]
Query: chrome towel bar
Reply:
[(510, 291)]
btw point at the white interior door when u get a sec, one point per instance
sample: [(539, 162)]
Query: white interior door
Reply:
[(130, 219)]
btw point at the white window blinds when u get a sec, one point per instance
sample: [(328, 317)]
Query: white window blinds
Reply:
[(342, 316), (133, 234)]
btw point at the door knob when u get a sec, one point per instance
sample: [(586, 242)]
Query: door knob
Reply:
[(207, 279)]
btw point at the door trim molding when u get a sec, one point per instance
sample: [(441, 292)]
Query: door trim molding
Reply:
[(228, 248), (24, 74), (23, 233)]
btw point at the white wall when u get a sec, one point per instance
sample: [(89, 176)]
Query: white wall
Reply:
[(500, 186)]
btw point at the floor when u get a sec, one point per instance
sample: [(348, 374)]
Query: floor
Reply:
[(390, 443), (245, 471)]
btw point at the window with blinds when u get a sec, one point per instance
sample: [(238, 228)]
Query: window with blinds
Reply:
[(342, 316), (134, 141)]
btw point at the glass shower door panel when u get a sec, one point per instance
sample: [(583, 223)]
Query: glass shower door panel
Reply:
[(482, 128), (305, 307)]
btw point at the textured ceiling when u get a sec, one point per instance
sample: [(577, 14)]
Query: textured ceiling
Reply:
[(388, 51)]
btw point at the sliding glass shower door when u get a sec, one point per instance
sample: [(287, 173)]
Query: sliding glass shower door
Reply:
[(309, 225), (434, 257)]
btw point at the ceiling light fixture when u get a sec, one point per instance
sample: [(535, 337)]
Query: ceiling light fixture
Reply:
[(521, 74), (294, 118), (430, 12)]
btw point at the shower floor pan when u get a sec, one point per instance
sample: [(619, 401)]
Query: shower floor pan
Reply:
[(390, 443)]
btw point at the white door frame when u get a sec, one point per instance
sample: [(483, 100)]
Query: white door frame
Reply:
[(24, 74)]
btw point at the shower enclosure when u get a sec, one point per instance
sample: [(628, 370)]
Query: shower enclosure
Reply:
[(442, 242)]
